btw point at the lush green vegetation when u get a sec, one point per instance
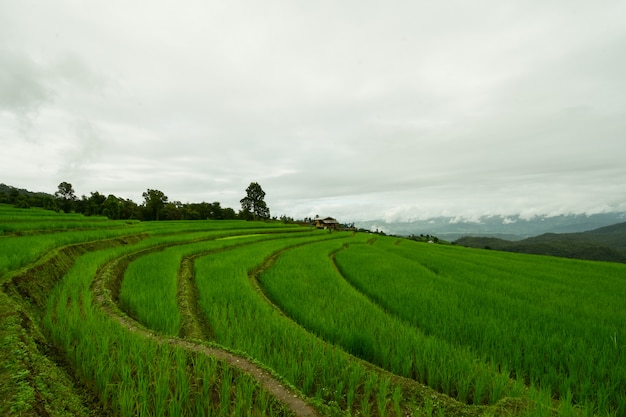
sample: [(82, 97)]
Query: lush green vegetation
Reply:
[(99, 317), (156, 205), (548, 322), (149, 289), (341, 315), (135, 375)]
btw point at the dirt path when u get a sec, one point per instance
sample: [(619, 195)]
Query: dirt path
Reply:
[(108, 281), (193, 323)]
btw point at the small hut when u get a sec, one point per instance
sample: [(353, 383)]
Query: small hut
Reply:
[(326, 223)]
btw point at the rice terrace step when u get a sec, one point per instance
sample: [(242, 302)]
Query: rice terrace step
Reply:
[(230, 317)]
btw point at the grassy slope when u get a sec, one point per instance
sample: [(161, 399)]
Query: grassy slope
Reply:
[(37, 248), (34, 379), (545, 318)]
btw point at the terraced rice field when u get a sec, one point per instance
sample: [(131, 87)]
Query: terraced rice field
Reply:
[(234, 318)]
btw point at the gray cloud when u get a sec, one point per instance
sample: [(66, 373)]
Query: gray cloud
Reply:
[(362, 110), (22, 87)]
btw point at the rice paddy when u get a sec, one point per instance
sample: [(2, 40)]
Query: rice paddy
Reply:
[(234, 318)]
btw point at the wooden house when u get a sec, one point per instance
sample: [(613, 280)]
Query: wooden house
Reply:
[(326, 223)]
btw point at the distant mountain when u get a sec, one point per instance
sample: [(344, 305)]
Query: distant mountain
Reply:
[(603, 244), (9, 190), (22, 198), (503, 227)]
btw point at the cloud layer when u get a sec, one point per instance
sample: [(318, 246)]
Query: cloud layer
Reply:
[(360, 110)]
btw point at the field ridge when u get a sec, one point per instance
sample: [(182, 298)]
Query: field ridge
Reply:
[(111, 274), (446, 404), (193, 324), (50, 383), (232, 318)]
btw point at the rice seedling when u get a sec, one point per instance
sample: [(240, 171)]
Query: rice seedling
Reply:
[(123, 365), (149, 289), (477, 325), (242, 320), (343, 316), (539, 319), (148, 292), (16, 252)]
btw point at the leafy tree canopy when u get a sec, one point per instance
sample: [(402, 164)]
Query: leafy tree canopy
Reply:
[(65, 195), (253, 202), (154, 201), (65, 191)]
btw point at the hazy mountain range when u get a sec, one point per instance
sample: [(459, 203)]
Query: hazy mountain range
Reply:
[(603, 244), (505, 227)]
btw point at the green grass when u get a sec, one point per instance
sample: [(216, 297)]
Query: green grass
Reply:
[(549, 322), (149, 289), (350, 322), (241, 319), (134, 375), (37, 220), (305, 276), (130, 375)]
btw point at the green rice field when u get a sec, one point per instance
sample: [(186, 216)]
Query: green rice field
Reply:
[(236, 318)]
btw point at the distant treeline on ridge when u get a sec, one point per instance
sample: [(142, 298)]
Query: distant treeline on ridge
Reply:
[(156, 205)]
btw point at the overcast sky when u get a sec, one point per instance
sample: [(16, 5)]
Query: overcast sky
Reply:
[(360, 110)]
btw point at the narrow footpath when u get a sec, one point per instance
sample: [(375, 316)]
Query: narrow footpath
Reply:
[(110, 276)]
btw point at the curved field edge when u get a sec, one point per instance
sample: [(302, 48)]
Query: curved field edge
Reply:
[(151, 290), (503, 308), (80, 397), (113, 272), (180, 258), (321, 370), (140, 377), (289, 302), (36, 377)]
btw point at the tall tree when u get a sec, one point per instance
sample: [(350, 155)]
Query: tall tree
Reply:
[(93, 204), (154, 201), (112, 207), (130, 209), (66, 197), (253, 202)]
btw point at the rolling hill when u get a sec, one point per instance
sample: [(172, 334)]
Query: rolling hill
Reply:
[(603, 244)]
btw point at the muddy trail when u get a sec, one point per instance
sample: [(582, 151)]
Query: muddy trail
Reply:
[(106, 286)]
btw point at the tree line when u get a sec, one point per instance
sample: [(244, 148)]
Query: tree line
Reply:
[(155, 206)]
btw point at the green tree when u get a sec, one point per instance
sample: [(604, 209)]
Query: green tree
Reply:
[(253, 202), (65, 196), (229, 214), (22, 202), (49, 203), (154, 202), (94, 204), (112, 207), (130, 209), (14, 195), (173, 210), (216, 211)]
